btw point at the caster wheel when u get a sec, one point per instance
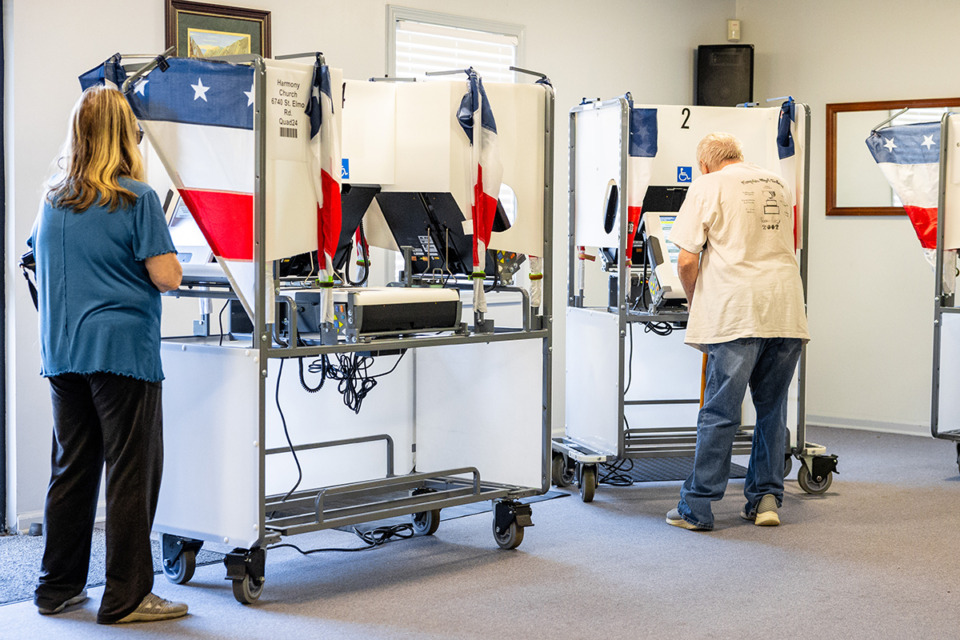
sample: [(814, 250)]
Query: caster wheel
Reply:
[(510, 538), (588, 482), (787, 465), (182, 568), (562, 475), (811, 484), (426, 523), (248, 590)]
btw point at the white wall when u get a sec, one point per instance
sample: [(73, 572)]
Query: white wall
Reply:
[(588, 49), (870, 290)]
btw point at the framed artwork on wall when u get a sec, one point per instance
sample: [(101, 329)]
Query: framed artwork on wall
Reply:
[(201, 30)]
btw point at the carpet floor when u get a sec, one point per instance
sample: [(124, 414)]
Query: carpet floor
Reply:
[(871, 558), (20, 564)]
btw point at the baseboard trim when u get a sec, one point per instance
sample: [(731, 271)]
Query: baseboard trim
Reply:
[(898, 428), (24, 520)]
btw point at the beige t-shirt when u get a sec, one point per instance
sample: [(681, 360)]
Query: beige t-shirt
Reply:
[(749, 285)]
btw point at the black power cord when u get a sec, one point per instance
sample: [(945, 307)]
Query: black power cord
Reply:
[(616, 473), (286, 433), (373, 538), (352, 374)]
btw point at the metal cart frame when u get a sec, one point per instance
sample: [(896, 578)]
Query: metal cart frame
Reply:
[(419, 494), (577, 461), (944, 304)]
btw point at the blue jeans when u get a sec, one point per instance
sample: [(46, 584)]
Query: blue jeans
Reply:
[(767, 365)]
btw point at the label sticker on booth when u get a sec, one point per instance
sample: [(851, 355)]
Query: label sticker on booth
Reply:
[(345, 169), (684, 174)]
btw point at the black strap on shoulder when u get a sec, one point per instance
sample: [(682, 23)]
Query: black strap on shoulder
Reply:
[(28, 266)]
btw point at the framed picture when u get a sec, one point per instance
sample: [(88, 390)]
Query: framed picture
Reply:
[(201, 30)]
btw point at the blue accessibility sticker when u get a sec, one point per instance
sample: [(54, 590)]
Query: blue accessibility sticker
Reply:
[(345, 169), (684, 174)]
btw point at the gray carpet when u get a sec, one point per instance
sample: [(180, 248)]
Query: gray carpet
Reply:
[(872, 558), (20, 564), (20, 555)]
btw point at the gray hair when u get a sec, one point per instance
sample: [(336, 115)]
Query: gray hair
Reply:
[(717, 148)]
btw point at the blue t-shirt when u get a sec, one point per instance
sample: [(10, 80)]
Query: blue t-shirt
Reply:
[(99, 310)]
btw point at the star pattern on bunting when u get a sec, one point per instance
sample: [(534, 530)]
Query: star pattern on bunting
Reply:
[(889, 144), (141, 86), (199, 91), (249, 95), (927, 142)]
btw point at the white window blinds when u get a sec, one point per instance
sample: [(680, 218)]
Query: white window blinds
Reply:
[(422, 47)]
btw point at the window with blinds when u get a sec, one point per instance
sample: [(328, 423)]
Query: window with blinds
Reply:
[(423, 46), (425, 41)]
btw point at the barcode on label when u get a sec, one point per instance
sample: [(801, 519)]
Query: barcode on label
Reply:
[(288, 132)]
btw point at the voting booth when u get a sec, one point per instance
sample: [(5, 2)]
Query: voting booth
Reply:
[(325, 404), (630, 167)]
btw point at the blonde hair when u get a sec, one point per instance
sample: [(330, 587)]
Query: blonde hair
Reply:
[(717, 148), (101, 146)]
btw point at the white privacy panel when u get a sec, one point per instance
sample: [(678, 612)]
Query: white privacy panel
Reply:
[(663, 368), (949, 409), (519, 110), (211, 479), (680, 128), (597, 164), (481, 406), (369, 132), (951, 214), (592, 377), (291, 200), (323, 417)]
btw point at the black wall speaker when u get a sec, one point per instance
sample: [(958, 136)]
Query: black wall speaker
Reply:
[(723, 75)]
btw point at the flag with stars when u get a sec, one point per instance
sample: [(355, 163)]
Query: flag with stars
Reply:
[(641, 151), (789, 141), (475, 117), (909, 157), (325, 150), (199, 117)]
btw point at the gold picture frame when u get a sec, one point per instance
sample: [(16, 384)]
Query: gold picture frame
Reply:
[(200, 29)]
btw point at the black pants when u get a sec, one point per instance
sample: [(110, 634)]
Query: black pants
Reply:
[(97, 418)]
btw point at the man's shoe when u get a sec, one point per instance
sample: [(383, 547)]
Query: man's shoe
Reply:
[(155, 608), (674, 518), (77, 599), (767, 515)]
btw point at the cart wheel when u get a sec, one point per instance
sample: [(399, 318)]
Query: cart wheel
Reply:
[(509, 538), (248, 590), (426, 523), (588, 482), (562, 475), (812, 485), (182, 568), (787, 465)]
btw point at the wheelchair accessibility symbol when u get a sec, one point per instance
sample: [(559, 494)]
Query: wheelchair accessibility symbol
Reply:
[(684, 174), (345, 169)]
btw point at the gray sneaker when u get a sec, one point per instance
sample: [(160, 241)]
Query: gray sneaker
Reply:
[(77, 599), (767, 515), (674, 518), (152, 608)]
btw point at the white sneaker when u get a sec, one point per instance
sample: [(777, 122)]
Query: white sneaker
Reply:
[(153, 608)]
